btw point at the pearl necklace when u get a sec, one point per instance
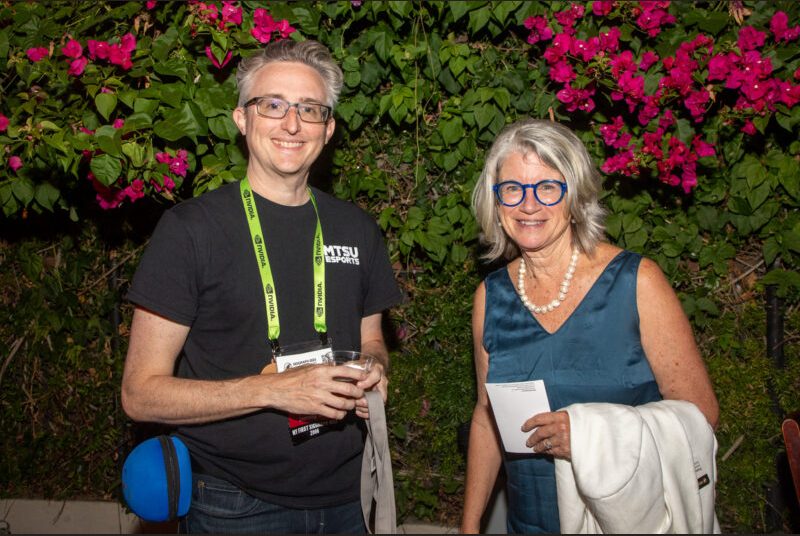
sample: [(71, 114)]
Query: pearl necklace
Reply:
[(562, 293)]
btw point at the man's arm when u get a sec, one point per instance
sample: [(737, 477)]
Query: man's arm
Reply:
[(373, 343), (150, 391)]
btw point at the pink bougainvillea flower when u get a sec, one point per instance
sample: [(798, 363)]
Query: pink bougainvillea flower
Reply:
[(231, 14), (37, 54), (702, 148), (622, 162), (118, 123), (648, 59), (576, 99), (650, 108), (135, 190), (750, 39), (779, 25), (611, 133), (108, 198), (117, 55), (539, 31), (15, 163), (609, 41), (562, 72), (179, 164), (719, 66), (695, 102), (77, 66), (72, 49), (559, 48), (749, 128), (214, 61), (585, 50), (666, 120), (631, 88), (86, 131), (128, 42), (796, 74), (97, 49), (150, 4), (3, 123), (601, 8), (568, 17), (653, 17), (163, 158)]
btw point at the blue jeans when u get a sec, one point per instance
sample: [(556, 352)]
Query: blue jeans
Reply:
[(220, 507)]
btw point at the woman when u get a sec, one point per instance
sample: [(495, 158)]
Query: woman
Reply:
[(595, 322)]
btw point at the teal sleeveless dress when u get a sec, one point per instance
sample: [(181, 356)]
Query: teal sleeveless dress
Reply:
[(595, 356)]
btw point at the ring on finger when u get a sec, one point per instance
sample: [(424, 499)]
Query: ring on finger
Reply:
[(547, 444)]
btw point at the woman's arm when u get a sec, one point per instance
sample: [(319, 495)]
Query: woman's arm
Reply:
[(669, 343), (484, 456)]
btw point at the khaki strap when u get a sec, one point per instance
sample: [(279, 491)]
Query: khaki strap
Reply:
[(377, 483)]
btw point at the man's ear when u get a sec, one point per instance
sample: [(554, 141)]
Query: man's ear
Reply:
[(329, 129), (240, 118)]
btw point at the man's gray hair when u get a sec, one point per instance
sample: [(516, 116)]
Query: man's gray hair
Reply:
[(559, 148), (311, 53)]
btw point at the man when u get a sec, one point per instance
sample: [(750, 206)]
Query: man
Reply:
[(233, 289)]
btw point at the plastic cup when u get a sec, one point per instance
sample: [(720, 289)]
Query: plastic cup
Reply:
[(349, 358)]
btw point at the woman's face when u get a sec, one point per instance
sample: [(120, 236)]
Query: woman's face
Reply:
[(531, 225)]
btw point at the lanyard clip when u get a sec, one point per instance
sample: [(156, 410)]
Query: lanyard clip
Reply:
[(276, 347), (323, 338)]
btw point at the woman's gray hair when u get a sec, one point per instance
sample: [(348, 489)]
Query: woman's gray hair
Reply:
[(311, 53), (559, 148)]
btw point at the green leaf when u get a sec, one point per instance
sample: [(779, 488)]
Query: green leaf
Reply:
[(46, 195), (137, 121), (478, 19), (451, 130), (23, 190), (134, 152), (713, 22), (106, 169), (105, 102), (109, 139), (223, 127), (177, 124)]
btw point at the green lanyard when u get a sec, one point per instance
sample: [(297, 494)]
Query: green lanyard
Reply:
[(268, 284)]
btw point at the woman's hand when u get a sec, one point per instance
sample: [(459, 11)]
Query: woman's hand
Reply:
[(551, 436)]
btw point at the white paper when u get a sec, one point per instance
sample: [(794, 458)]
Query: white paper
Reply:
[(513, 404)]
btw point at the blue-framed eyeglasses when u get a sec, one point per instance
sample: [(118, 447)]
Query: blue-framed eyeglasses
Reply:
[(547, 192)]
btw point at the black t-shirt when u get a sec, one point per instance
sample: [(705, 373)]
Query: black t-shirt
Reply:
[(200, 270)]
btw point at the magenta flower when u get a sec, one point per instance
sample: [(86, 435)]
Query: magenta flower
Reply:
[(128, 42), (539, 30), (562, 72), (702, 148), (609, 41), (601, 8), (622, 162), (37, 54), (86, 131), (749, 128), (231, 14), (653, 17), (15, 163), (117, 55), (576, 99), (621, 63), (568, 17), (135, 190), (719, 66), (779, 25), (77, 66), (648, 59), (611, 134), (585, 50), (150, 4), (559, 48), (118, 123), (214, 60), (97, 49), (750, 39), (179, 164), (696, 103), (4, 122), (650, 108), (72, 49), (163, 158)]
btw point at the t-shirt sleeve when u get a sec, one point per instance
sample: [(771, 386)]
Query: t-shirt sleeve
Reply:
[(381, 290), (165, 281)]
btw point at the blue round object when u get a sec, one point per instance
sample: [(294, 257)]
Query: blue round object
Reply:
[(148, 483)]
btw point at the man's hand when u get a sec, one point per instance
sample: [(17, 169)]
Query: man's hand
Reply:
[(317, 390), (376, 379)]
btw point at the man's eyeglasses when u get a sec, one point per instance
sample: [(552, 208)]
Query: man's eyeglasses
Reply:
[(275, 108), (547, 192)]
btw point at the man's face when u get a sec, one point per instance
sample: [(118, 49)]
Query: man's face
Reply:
[(284, 148)]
